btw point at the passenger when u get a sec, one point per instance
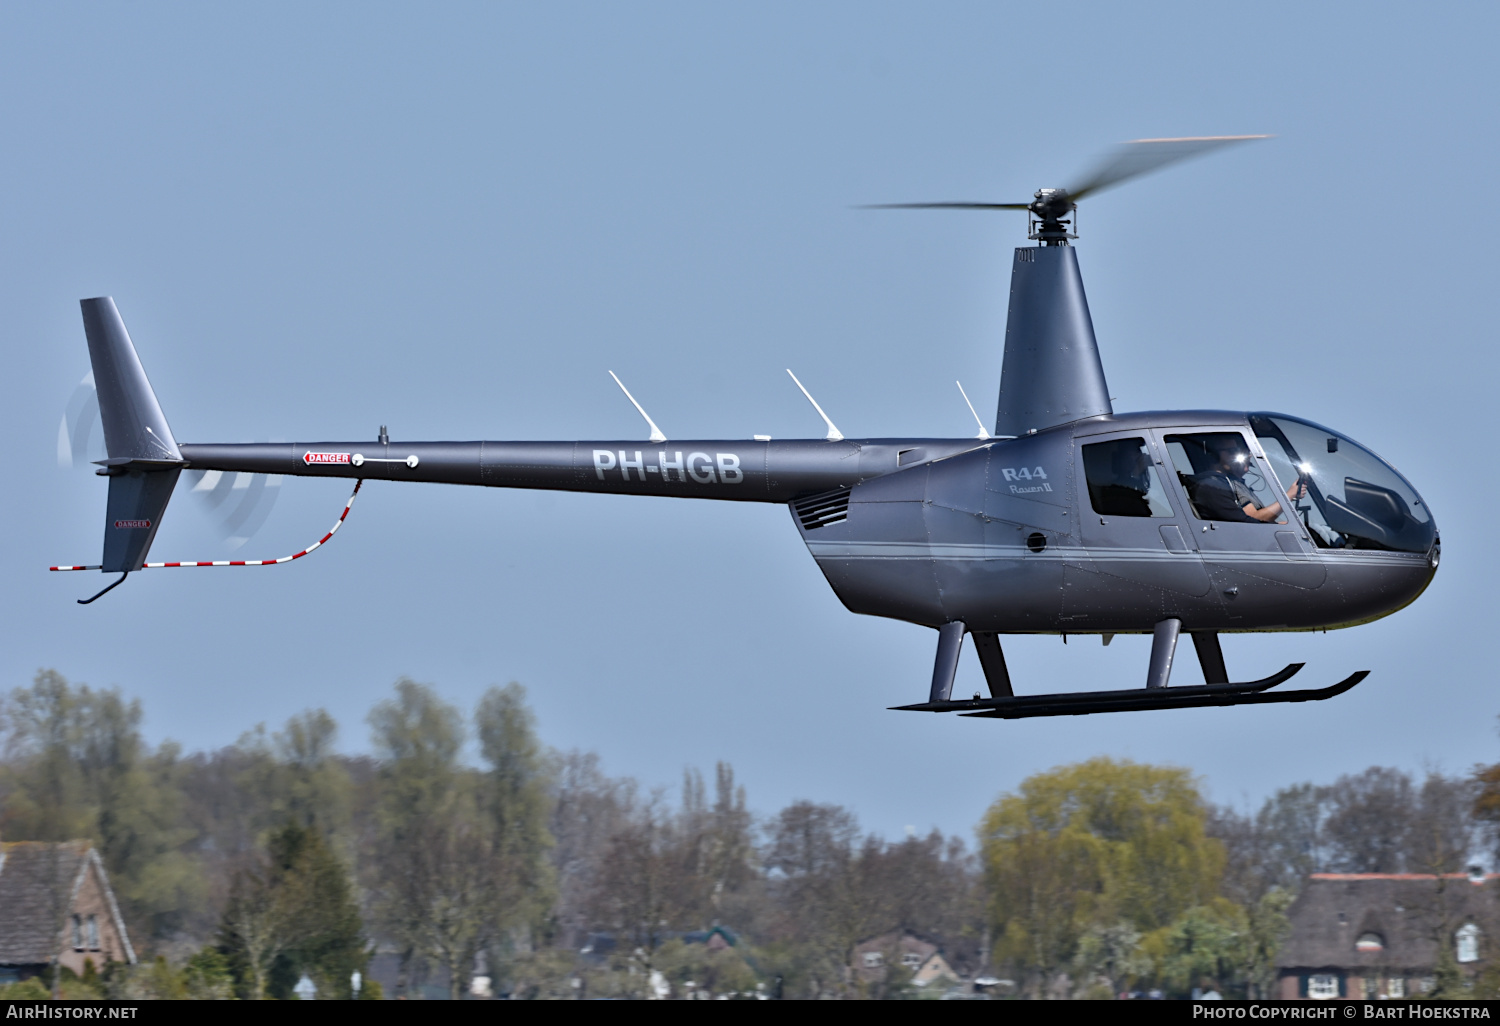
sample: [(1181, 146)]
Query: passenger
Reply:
[(1220, 493), (1123, 492)]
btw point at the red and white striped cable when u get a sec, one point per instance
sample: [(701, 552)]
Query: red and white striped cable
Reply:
[(249, 562)]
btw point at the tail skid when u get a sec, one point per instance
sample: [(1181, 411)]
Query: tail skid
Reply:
[(229, 562)]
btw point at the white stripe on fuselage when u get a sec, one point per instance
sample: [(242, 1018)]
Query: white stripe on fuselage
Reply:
[(1075, 553)]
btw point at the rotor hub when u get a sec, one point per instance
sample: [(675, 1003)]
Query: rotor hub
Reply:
[(1048, 210)]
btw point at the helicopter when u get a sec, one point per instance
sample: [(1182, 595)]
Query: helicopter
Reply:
[(1066, 519)]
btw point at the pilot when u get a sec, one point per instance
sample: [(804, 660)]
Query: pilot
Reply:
[(1221, 492)]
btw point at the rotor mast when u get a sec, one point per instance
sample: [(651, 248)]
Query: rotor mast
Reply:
[(1046, 215), (1052, 373)]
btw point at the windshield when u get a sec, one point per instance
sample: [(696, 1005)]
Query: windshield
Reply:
[(1353, 498)]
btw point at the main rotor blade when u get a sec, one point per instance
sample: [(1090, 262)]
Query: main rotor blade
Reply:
[(945, 206), (1142, 156)]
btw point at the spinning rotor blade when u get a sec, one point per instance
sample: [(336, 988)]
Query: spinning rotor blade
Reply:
[(1128, 160), (240, 502), (79, 439), (946, 206), (1142, 156)]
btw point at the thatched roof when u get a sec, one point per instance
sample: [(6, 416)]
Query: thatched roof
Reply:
[(1408, 913)]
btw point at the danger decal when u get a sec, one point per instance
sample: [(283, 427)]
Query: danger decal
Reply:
[(324, 457), (132, 523)]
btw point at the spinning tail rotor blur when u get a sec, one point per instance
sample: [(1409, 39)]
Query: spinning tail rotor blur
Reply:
[(237, 504)]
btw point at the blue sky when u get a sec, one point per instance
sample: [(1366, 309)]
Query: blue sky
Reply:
[(453, 219)]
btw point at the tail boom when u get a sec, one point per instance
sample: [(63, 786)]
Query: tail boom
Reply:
[(758, 471)]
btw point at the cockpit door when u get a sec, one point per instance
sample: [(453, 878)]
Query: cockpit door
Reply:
[(1212, 482), (1133, 529)]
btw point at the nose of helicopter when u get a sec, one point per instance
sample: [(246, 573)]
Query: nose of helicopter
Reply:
[(1347, 497)]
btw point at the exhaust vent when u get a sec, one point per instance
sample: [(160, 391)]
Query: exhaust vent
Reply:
[(823, 509)]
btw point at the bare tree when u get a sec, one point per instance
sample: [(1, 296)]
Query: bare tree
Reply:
[(638, 893), (1369, 820), (820, 882), (1442, 831), (255, 926), (588, 808)]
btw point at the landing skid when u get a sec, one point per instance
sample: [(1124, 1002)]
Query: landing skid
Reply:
[(1005, 705), (1137, 700)]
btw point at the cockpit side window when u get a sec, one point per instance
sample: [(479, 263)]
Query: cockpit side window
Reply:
[(1222, 478), (1122, 479), (1352, 498)]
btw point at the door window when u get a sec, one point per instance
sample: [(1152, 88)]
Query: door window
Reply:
[(1122, 479), (1222, 479)]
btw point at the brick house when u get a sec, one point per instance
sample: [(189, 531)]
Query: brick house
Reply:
[(55, 901), (1379, 935), (918, 956)]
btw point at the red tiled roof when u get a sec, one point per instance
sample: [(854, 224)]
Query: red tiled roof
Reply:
[(1395, 876)]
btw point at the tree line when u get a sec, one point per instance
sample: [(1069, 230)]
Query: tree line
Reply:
[(533, 873)]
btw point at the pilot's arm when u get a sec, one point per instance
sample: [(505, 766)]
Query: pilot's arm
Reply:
[(1269, 514)]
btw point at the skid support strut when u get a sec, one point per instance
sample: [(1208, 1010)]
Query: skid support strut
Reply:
[(950, 644), (1163, 648), (1004, 704), (1210, 657), (992, 658)]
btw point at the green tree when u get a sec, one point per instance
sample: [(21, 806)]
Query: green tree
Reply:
[(1267, 929), (1108, 958), (1204, 948), (437, 872), (208, 976), (254, 931), (294, 776), (516, 796), (1093, 844), (295, 914), (328, 942), (78, 768)]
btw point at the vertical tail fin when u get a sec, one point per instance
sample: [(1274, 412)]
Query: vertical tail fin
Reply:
[(144, 460)]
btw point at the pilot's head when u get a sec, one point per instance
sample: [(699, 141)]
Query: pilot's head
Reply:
[(1234, 458)]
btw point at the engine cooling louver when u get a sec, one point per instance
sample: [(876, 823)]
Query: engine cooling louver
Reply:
[(823, 509)]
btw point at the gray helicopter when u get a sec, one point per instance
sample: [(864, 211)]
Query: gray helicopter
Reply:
[(1066, 519)]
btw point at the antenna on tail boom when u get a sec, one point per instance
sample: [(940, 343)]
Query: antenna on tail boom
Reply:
[(834, 435), (656, 435), (983, 435)]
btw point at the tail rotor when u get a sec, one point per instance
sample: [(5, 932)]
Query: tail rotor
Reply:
[(238, 504)]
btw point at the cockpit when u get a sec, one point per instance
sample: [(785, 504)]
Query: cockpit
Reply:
[(1352, 499), (1345, 496)]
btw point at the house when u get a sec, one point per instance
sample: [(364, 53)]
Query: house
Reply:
[(718, 938), (56, 902), (920, 957), (1380, 935)]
